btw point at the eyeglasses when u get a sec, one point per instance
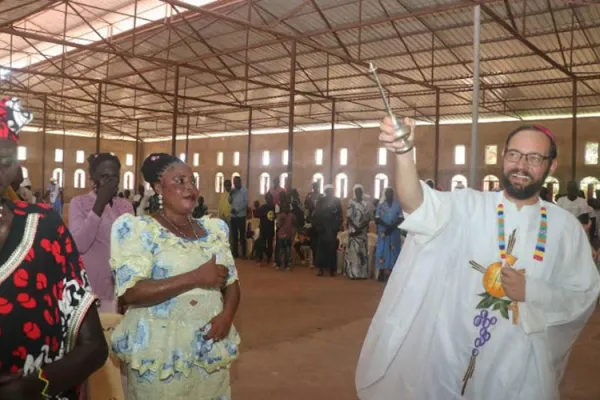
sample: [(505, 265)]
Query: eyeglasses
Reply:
[(533, 159)]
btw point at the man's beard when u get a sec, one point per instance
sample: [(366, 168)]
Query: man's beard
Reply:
[(523, 192)]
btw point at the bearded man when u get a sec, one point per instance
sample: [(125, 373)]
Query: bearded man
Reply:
[(490, 291)]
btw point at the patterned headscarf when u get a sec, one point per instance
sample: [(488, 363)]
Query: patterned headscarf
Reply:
[(12, 118)]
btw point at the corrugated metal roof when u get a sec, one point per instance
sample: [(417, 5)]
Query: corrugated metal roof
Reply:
[(514, 78)]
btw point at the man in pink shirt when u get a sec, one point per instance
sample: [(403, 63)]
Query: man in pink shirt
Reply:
[(91, 217)]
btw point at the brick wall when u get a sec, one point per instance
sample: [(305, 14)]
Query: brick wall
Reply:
[(362, 148), (588, 129), (70, 144), (362, 159)]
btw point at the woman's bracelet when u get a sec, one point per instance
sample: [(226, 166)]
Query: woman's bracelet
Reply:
[(42, 377)]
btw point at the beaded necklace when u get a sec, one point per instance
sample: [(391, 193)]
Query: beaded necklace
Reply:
[(540, 247)]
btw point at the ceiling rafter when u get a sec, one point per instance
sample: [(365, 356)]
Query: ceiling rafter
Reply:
[(523, 40), (326, 21), (187, 44), (399, 35), (152, 34), (302, 40), (490, 41), (111, 46), (584, 31), (221, 77), (368, 23), (558, 39), (289, 53), (35, 11), (453, 53), (352, 65)]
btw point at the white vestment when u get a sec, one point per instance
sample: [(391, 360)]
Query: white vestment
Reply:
[(422, 336)]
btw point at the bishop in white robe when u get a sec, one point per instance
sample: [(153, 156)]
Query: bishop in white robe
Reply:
[(446, 328)]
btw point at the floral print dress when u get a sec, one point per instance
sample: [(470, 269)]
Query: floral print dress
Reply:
[(357, 251), (44, 292), (163, 346)]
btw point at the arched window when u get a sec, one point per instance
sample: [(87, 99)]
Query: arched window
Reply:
[(318, 178), (490, 183), (265, 183), (234, 175), (458, 182), (341, 186), (25, 172), (79, 179), (128, 180), (381, 182), (197, 180), (283, 179), (219, 183), (57, 175), (589, 185), (553, 185)]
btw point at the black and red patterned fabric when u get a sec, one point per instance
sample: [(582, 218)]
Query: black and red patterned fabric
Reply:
[(44, 291), (12, 118)]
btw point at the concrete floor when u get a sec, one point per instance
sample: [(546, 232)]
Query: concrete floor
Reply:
[(301, 336)]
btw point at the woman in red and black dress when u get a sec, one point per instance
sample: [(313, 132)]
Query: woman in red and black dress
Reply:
[(51, 339)]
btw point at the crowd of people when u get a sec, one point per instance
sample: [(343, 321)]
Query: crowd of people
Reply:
[(155, 259), (168, 270), (284, 225)]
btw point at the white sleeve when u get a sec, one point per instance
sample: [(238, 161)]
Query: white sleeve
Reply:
[(571, 294), (431, 217)]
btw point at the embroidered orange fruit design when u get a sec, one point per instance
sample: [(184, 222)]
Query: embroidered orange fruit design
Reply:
[(494, 294), (492, 276), (492, 280)]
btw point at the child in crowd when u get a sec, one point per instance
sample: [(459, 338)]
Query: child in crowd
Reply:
[(264, 245), (255, 210), (286, 232)]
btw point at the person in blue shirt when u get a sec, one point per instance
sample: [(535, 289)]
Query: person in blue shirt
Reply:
[(389, 242), (238, 198)]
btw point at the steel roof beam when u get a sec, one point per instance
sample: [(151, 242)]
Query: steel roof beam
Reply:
[(277, 41), (438, 82), (72, 98), (120, 85), (301, 40), (165, 62), (423, 51), (44, 7), (422, 12), (523, 40)]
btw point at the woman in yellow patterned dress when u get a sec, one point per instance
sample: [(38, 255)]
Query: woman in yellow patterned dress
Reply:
[(177, 279)]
